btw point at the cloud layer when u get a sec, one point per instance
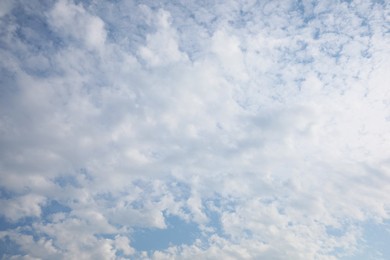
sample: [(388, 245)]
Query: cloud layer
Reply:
[(259, 129)]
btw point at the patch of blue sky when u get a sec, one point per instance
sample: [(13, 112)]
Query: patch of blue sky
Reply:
[(6, 194), (73, 179), (8, 248), (214, 222), (178, 232), (374, 244), (332, 50), (34, 30), (295, 54), (306, 14), (66, 180), (8, 82), (243, 17), (337, 232), (316, 33), (6, 224), (54, 207)]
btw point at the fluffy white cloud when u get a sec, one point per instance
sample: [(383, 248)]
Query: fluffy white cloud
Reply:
[(72, 20), (266, 125), (162, 47), (23, 206)]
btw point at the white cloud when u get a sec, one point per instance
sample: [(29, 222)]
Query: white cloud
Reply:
[(230, 56), (267, 125), (162, 47), (72, 20), (23, 206), (123, 244)]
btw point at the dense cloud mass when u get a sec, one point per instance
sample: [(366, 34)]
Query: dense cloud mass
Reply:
[(194, 130)]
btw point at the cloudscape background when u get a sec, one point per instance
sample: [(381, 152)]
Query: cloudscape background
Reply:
[(195, 129)]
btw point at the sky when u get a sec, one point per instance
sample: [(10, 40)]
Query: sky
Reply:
[(215, 129)]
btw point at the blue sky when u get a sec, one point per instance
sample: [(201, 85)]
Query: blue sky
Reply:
[(194, 130)]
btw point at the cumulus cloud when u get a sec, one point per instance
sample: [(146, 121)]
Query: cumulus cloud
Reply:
[(73, 21), (161, 46), (263, 128)]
